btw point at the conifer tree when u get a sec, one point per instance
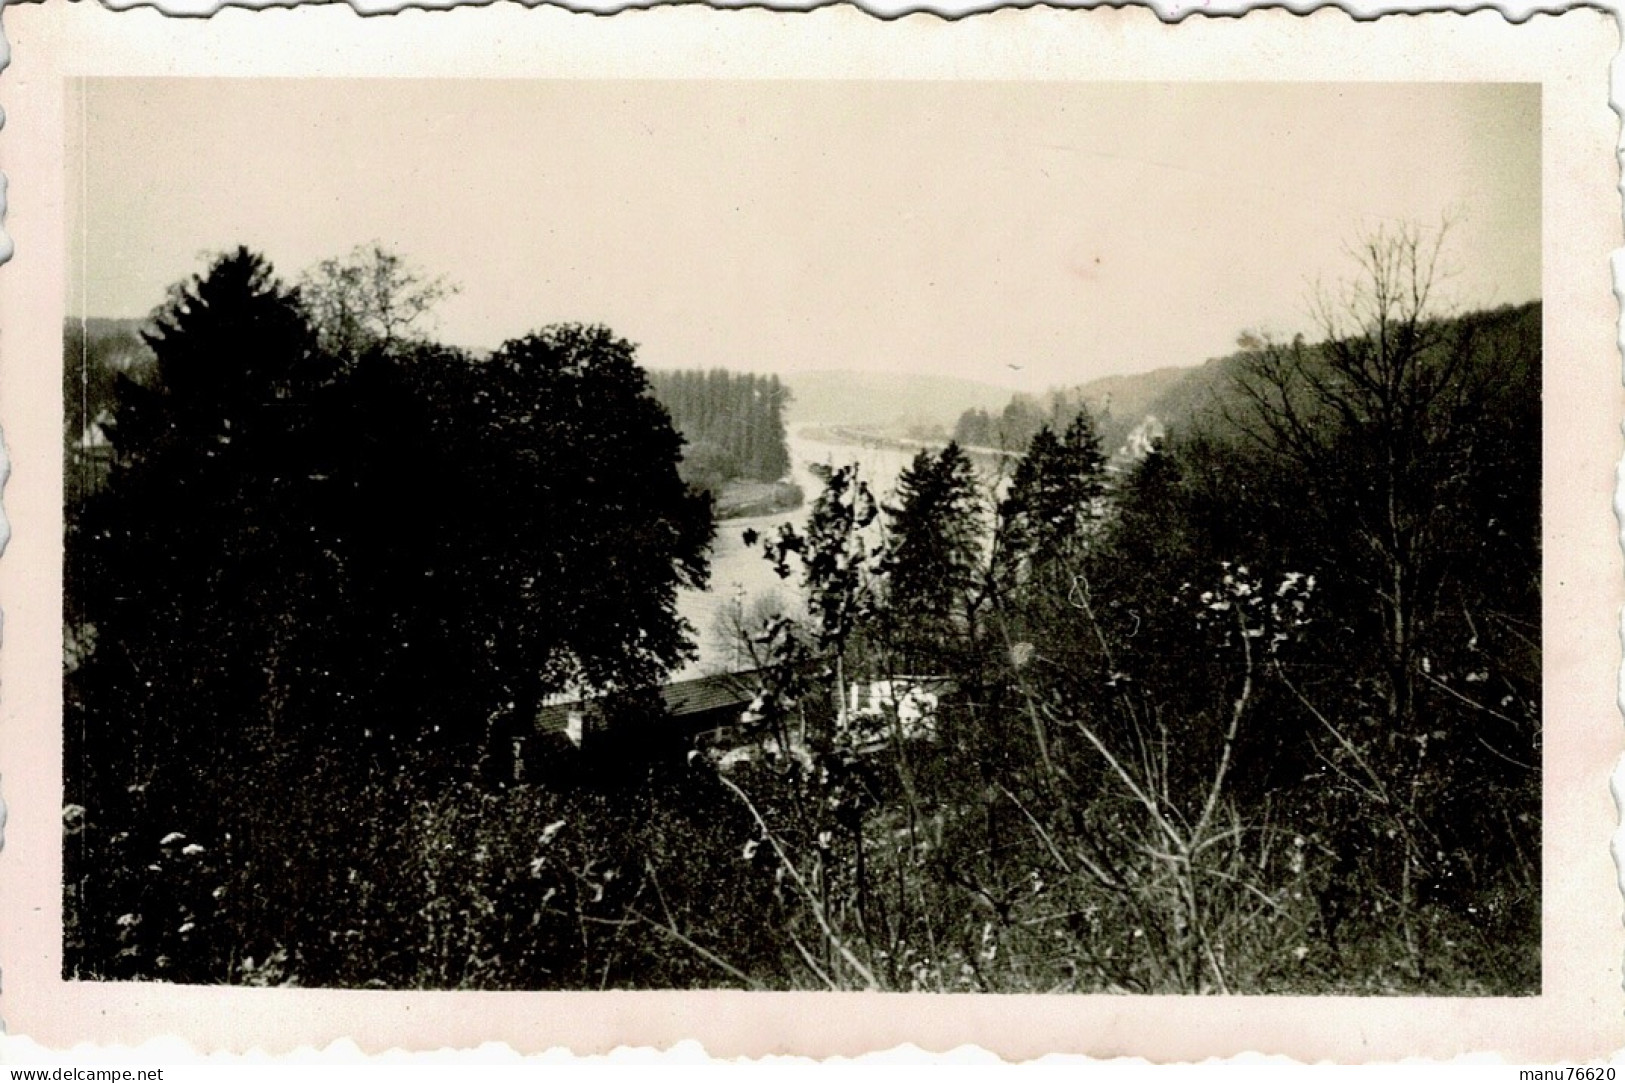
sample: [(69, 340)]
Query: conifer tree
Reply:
[(934, 547), (1053, 500), (179, 572)]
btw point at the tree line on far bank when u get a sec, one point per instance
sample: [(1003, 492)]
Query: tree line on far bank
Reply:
[(733, 424)]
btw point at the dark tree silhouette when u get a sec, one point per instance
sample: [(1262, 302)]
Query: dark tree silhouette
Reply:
[(933, 554), (1396, 435), (300, 561), (564, 530), (1054, 500), (193, 577), (182, 570)]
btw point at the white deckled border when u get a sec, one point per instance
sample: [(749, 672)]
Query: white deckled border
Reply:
[(1577, 1016)]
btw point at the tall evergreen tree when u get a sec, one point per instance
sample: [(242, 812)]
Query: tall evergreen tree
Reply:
[(181, 571), (196, 578), (1054, 499), (934, 548)]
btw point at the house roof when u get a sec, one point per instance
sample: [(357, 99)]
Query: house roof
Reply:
[(682, 698), (711, 693)]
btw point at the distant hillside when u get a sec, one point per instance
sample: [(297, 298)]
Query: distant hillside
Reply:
[(1202, 396), (1120, 406), (1128, 408), (1208, 396), (1130, 397), (898, 401)]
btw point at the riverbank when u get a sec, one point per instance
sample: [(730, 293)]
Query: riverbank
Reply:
[(748, 499)]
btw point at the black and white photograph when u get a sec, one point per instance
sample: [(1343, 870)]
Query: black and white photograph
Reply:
[(932, 537), (531, 537)]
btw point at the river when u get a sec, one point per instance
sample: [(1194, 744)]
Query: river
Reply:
[(740, 575)]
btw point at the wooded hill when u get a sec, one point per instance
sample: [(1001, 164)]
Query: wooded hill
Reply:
[(1178, 399)]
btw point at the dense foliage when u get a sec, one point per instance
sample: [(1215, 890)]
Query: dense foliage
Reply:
[(1024, 417), (931, 562), (733, 422), (1225, 718), (1013, 428), (385, 559), (1257, 710), (94, 352)]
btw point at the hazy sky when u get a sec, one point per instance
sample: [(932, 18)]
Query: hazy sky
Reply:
[(1071, 229)]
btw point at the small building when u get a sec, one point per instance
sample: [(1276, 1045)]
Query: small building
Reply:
[(700, 708), (717, 712), (869, 706)]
